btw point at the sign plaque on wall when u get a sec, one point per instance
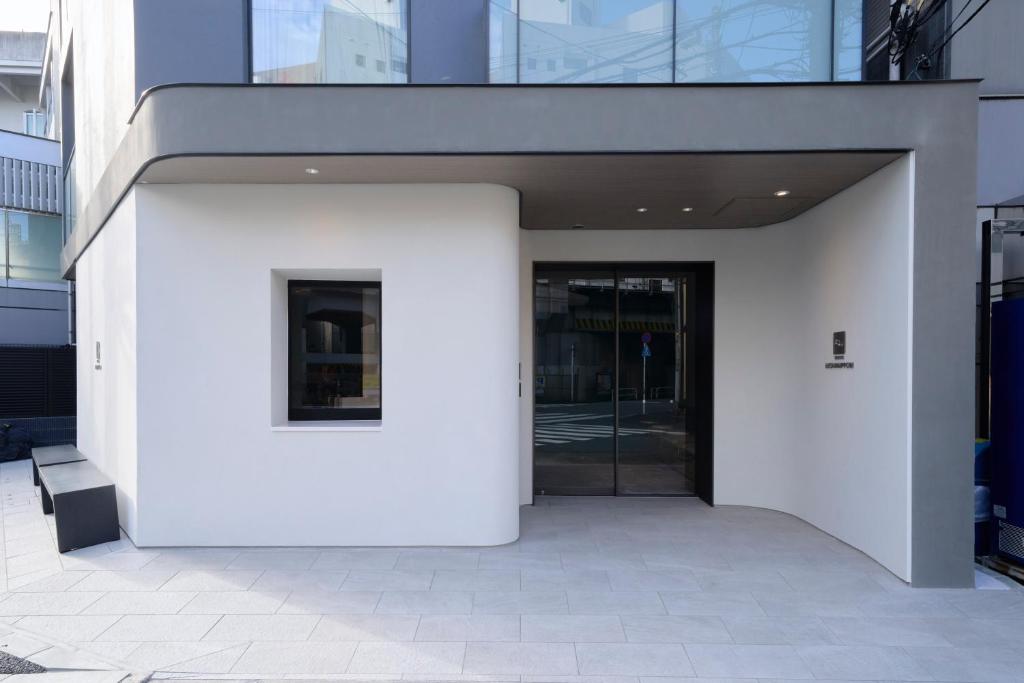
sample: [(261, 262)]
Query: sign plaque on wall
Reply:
[(839, 361)]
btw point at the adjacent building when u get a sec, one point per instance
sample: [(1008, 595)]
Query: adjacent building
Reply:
[(33, 295), (379, 272)]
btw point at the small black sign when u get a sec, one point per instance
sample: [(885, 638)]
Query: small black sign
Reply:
[(839, 344)]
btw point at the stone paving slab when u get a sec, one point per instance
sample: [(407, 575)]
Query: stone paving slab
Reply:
[(597, 590)]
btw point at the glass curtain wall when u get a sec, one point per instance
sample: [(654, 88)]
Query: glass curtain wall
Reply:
[(682, 41), (330, 41)]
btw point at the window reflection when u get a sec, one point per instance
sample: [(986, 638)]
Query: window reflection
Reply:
[(753, 40), (652, 41), (595, 41), (334, 350), (330, 41), (32, 243)]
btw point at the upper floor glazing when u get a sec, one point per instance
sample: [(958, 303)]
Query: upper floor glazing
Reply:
[(564, 41)]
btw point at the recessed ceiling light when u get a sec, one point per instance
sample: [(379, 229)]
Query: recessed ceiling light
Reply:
[(781, 193), (687, 209), (312, 171), (642, 209)]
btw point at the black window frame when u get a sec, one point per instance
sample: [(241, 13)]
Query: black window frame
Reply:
[(335, 414)]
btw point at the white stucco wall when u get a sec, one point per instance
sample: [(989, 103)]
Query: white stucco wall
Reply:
[(440, 470), (830, 446), (107, 396)]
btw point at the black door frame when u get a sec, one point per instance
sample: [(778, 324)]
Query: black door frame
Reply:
[(704, 348)]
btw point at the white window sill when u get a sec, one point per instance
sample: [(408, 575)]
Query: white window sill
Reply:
[(329, 426)]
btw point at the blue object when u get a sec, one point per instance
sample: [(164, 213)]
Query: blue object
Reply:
[(1007, 454)]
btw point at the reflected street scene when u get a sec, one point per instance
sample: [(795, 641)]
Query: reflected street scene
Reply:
[(613, 412)]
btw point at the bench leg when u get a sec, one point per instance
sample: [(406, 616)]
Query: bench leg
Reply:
[(85, 518), (44, 496), (35, 474)]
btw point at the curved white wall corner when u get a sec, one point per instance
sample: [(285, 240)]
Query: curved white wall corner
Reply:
[(443, 467), (830, 446)]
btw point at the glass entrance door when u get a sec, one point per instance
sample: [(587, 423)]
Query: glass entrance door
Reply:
[(655, 438), (622, 380), (574, 412)]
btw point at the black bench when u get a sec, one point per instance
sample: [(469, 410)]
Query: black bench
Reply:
[(52, 455), (83, 503)]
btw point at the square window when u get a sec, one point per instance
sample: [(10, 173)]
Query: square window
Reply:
[(360, 60), (334, 350), (381, 66)]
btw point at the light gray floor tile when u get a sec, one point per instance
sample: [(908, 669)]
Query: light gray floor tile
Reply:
[(192, 558), (675, 629), (273, 627), (211, 580), (633, 659), (606, 561), (54, 583), (330, 602), (425, 602), (520, 602), (68, 629), (800, 604), (916, 603), (558, 659), (469, 627), (164, 656), (713, 604), (653, 580), (873, 663), (888, 631), (357, 558), (560, 580), (219, 662), (780, 631), (987, 604), (141, 580), (743, 580), (427, 559), (817, 581), (304, 581), (295, 658), (160, 627), (22, 604), (401, 658), (973, 665), (523, 561), (141, 602), (571, 628), (366, 627), (234, 602), (476, 580), (387, 580), (274, 558), (615, 602), (748, 661)]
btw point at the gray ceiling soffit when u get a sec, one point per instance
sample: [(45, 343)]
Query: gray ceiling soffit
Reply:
[(179, 121), (597, 191)]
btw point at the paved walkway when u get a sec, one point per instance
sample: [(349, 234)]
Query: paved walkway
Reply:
[(596, 589)]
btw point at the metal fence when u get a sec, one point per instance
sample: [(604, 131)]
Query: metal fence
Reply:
[(37, 391), (47, 431)]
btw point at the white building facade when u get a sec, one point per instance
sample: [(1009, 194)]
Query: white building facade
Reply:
[(325, 314)]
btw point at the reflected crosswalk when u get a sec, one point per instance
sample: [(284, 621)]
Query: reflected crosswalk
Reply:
[(562, 428)]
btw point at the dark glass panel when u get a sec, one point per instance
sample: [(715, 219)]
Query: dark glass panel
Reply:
[(334, 367)]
